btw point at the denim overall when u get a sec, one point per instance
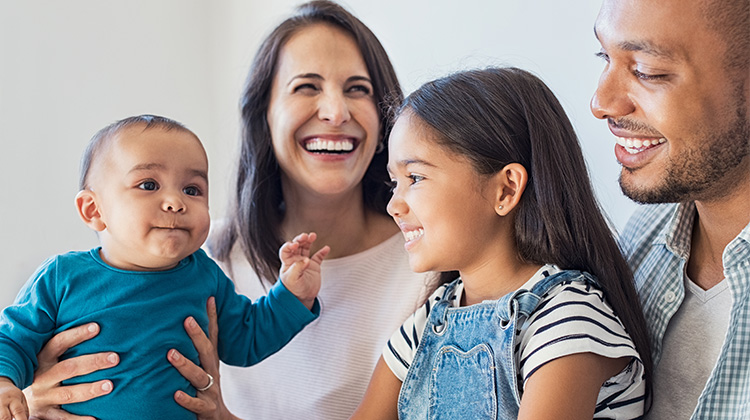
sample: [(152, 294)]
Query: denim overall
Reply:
[(465, 366)]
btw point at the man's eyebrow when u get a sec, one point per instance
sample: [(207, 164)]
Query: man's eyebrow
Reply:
[(644, 46)]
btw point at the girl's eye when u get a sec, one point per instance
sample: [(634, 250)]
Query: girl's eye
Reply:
[(415, 178), (603, 56), (148, 186), (192, 191), (391, 184)]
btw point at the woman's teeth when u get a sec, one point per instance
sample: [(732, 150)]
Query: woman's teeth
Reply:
[(634, 146), (328, 146)]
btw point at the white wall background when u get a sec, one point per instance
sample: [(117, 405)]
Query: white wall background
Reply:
[(68, 68)]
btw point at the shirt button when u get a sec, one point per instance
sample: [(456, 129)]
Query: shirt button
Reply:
[(670, 297)]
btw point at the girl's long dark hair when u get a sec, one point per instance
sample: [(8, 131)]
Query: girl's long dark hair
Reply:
[(257, 209), (499, 116)]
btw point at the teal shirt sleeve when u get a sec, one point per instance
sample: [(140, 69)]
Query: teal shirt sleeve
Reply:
[(251, 331), (27, 324)]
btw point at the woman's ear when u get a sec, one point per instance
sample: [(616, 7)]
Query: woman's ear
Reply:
[(511, 182), (88, 210)]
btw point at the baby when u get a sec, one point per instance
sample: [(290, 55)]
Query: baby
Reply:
[(144, 189)]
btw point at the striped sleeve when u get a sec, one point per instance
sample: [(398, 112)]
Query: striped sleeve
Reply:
[(401, 347), (573, 318)]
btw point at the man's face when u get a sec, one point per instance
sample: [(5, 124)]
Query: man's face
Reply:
[(678, 115)]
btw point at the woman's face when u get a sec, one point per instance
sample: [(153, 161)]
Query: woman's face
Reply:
[(322, 115)]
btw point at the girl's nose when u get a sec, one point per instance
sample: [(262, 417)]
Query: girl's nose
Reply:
[(332, 108), (396, 206)]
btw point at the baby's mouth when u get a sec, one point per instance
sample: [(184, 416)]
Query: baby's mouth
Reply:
[(635, 146)]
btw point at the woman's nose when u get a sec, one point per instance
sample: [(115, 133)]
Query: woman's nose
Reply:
[(611, 98), (333, 108)]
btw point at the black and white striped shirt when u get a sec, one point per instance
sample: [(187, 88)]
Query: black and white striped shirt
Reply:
[(571, 318)]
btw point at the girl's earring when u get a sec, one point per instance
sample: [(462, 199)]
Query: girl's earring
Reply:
[(500, 207)]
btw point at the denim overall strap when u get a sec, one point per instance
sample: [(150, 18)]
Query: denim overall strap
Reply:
[(465, 365)]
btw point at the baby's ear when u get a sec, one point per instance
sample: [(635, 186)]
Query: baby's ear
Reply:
[(88, 209)]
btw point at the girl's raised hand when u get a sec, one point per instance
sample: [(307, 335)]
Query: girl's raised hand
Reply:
[(300, 273)]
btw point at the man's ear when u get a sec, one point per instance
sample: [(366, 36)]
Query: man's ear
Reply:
[(88, 210), (511, 183)]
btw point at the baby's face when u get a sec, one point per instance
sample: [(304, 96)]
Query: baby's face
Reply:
[(151, 189)]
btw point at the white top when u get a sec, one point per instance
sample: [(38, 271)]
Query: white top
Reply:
[(571, 318), (324, 371), (691, 347)]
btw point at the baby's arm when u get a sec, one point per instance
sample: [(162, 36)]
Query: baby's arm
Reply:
[(12, 402), (381, 398), (300, 273)]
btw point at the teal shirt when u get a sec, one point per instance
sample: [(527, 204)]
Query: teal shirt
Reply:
[(141, 317)]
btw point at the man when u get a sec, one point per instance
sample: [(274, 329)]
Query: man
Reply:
[(675, 92)]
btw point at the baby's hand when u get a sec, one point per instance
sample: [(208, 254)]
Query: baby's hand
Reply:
[(12, 402), (300, 273)]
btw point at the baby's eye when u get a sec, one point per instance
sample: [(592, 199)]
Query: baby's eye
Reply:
[(148, 185), (192, 191)]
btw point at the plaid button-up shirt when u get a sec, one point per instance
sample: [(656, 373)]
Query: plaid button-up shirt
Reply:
[(656, 243)]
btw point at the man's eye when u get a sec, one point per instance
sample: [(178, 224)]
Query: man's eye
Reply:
[(149, 186), (644, 76), (193, 191)]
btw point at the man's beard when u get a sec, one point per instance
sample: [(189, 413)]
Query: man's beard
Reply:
[(700, 171)]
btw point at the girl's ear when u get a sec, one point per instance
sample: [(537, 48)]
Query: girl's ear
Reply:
[(88, 209), (511, 182)]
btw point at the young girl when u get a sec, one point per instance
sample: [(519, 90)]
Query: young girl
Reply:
[(543, 322)]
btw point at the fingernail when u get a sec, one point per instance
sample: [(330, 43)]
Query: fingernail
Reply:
[(107, 386), (112, 358), (92, 328), (191, 322), (174, 355)]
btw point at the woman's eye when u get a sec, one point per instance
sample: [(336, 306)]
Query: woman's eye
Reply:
[(360, 89), (306, 87), (603, 56), (148, 186), (192, 191)]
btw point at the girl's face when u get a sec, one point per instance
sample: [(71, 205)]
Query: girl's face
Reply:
[(323, 119), (444, 208)]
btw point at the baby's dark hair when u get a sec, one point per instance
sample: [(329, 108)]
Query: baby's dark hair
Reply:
[(105, 134), (498, 116)]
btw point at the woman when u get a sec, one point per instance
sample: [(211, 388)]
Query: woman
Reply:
[(315, 122)]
